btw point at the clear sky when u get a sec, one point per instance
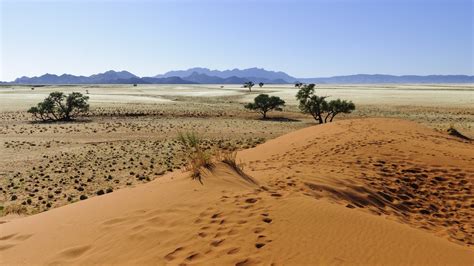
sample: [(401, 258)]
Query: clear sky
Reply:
[(303, 38)]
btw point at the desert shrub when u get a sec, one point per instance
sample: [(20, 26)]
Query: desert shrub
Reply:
[(59, 107), (264, 103), (321, 110), (198, 160), (261, 84)]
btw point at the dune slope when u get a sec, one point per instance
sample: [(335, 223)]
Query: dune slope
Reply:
[(326, 194)]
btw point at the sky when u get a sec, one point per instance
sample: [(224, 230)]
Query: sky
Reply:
[(302, 38)]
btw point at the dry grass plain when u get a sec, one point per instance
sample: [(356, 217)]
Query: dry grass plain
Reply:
[(130, 135)]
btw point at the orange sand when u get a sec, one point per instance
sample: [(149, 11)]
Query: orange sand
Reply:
[(326, 195)]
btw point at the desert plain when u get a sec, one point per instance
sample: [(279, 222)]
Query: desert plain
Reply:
[(386, 184)]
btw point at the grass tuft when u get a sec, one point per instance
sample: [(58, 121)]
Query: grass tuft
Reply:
[(229, 158), (14, 209), (198, 160)]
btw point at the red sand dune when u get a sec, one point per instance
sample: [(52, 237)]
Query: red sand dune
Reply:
[(367, 191)]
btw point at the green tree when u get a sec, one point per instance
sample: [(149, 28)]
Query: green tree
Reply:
[(59, 107), (261, 84), (318, 107), (338, 106), (249, 85), (264, 103), (298, 84)]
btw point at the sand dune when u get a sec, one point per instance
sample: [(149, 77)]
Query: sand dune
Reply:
[(367, 191)]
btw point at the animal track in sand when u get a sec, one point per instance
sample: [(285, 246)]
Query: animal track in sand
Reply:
[(12, 240), (171, 255), (74, 252)]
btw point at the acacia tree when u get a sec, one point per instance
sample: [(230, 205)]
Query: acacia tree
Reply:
[(318, 107), (338, 106), (261, 84), (298, 84), (264, 103), (249, 85), (59, 107)]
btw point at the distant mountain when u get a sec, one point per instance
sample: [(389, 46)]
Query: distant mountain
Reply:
[(109, 77), (206, 79), (235, 76), (378, 78), (168, 80), (52, 79), (249, 73)]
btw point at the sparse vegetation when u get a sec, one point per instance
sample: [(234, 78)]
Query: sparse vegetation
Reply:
[(321, 110), (229, 158), (16, 209), (261, 84), (198, 159), (59, 107), (264, 103)]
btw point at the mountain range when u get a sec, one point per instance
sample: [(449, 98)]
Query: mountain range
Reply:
[(234, 76)]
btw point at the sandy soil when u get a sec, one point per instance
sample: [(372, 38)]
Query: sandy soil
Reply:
[(358, 191), (367, 191), (130, 138)]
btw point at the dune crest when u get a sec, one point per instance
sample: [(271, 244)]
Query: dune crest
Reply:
[(318, 190)]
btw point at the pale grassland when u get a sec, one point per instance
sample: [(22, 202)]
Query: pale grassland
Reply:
[(130, 135)]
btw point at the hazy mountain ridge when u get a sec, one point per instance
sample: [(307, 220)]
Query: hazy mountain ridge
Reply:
[(234, 76), (380, 78), (259, 73)]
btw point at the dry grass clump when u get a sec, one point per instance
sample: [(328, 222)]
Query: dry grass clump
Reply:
[(229, 158), (198, 159), (14, 209)]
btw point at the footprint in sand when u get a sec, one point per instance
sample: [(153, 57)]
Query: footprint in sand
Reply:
[(74, 252), (171, 255)]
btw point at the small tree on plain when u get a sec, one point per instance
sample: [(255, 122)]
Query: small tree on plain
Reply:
[(249, 85), (264, 103), (338, 106), (318, 107), (59, 107), (298, 84), (261, 84)]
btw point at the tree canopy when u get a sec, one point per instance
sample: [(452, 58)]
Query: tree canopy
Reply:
[(264, 103), (59, 107), (321, 110), (249, 85)]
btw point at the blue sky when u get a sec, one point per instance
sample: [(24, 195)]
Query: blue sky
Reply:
[(303, 38)]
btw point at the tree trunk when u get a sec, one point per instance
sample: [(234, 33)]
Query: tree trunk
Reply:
[(326, 118), (320, 119)]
